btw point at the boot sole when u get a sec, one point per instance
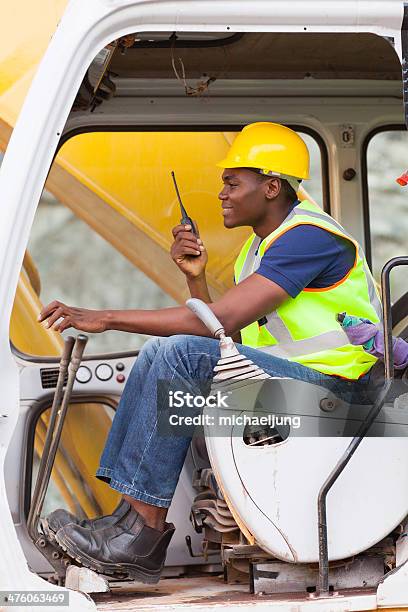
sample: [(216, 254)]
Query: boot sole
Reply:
[(117, 570)]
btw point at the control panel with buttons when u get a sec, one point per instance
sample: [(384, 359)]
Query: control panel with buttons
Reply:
[(102, 372), (94, 376)]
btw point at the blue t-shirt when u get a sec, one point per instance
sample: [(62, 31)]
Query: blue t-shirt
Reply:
[(307, 256)]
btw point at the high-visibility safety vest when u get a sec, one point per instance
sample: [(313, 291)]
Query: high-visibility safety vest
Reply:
[(304, 329)]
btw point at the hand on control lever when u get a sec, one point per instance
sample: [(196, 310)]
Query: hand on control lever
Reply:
[(59, 317)]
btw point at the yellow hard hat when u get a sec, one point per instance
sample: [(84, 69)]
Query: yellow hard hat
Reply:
[(270, 147)]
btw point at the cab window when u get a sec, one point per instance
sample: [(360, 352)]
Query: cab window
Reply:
[(102, 231), (387, 209)]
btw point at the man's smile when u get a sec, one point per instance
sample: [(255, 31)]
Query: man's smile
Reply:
[(226, 209)]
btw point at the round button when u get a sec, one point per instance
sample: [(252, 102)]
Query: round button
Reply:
[(104, 371), (120, 378), (83, 374), (120, 366)]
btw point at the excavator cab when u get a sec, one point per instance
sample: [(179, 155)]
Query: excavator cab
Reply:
[(123, 97)]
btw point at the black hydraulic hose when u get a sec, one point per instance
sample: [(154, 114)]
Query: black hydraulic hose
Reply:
[(75, 362)]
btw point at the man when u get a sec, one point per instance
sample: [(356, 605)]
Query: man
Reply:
[(298, 269)]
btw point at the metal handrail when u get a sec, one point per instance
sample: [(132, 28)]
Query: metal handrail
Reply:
[(323, 587)]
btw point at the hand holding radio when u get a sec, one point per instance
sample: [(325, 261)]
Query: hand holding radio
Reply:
[(187, 250)]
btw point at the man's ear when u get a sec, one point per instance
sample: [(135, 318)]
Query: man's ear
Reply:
[(272, 188)]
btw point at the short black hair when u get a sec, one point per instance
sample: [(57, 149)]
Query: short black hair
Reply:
[(288, 191)]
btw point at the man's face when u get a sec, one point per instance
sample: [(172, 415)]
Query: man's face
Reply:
[(242, 197)]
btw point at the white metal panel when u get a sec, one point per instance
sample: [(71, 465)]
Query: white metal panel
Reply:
[(273, 490)]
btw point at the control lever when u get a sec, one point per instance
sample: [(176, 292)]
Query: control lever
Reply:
[(63, 368), (232, 366), (70, 360), (206, 315)]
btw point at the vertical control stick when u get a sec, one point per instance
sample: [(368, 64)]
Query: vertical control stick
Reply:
[(71, 359)]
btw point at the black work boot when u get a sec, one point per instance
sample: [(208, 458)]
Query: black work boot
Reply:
[(128, 549), (59, 518)]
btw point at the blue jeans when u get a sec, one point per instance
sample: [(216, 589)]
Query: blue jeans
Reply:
[(138, 461)]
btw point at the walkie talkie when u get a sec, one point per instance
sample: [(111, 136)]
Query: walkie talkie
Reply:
[(185, 219)]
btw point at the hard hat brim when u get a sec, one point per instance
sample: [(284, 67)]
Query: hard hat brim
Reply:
[(224, 164), (227, 164)]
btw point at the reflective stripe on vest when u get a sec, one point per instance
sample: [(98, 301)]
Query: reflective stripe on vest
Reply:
[(328, 351)]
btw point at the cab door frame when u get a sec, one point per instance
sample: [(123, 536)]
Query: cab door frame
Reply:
[(84, 29)]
